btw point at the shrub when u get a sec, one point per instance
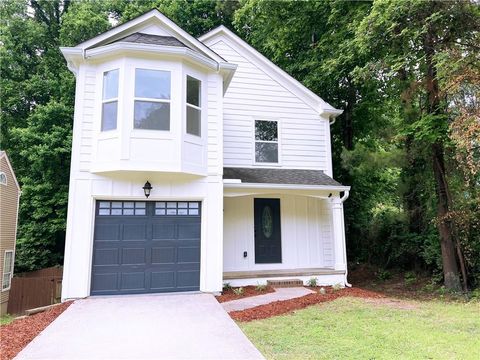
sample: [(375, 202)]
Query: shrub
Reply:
[(239, 291), (337, 287), (261, 287), (312, 282), (410, 278), (384, 275), (227, 287)]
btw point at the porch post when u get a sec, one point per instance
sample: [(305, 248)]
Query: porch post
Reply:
[(339, 234)]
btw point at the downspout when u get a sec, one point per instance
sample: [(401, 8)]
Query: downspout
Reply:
[(342, 199)]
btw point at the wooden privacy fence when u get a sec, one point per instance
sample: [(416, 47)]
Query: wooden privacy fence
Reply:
[(34, 289)]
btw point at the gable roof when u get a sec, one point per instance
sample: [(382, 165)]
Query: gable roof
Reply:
[(151, 17), (275, 72), (279, 176), (3, 154)]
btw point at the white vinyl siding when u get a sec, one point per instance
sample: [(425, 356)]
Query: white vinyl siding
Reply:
[(252, 95), (306, 227)]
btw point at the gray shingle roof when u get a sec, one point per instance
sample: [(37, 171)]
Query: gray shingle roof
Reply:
[(280, 176), (140, 38)]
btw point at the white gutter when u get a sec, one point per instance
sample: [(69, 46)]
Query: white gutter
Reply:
[(236, 185), (345, 195)]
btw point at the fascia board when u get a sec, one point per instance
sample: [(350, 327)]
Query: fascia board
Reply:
[(236, 185)]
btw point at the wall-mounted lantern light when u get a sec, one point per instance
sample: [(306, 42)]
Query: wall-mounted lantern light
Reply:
[(147, 188)]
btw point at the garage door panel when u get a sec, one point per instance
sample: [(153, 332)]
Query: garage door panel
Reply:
[(133, 281), (135, 232), (104, 257), (190, 254), (107, 232), (134, 256), (138, 253), (162, 280), (163, 255), (106, 282), (163, 230), (187, 279)]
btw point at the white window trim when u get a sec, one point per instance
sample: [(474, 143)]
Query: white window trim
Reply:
[(106, 101), (6, 179), (267, 164), (187, 104), (6, 272), (164, 101)]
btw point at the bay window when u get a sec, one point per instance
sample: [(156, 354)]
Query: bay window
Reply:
[(266, 141), (194, 110), (110, 100), (152, 99)]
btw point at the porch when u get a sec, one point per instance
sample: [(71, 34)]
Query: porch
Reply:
[(277, 231)]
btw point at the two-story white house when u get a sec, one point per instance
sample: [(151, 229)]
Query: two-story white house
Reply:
[(196, 162)]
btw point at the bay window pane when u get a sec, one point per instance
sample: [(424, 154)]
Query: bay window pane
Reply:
[(193, 121), (152, 115), (193, 91), (109, 116), (154, 84), (266, 130), (266, 152), (110, 84)]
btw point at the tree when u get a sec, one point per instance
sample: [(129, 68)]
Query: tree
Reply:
[(412, 37)]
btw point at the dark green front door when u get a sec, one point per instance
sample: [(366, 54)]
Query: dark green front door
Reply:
[(268, 239)]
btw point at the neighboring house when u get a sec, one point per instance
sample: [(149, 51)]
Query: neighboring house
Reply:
[(234, 154), (9, 200)]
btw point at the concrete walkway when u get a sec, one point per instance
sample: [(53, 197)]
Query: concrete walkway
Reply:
[(190, 326), (279, 295)]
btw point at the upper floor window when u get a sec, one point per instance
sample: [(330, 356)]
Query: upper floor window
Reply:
[(194, 110), (7, 269), (3, 178), (152, 99), (266, 141), (110, 100)]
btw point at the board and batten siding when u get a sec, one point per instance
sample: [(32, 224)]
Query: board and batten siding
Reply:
[(87, 117), (306, 228), (254, 95), (8, 221)]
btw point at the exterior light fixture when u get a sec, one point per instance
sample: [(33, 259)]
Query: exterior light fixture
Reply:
[(147, 188)]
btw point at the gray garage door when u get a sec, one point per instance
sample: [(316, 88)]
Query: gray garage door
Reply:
[(146, 247)]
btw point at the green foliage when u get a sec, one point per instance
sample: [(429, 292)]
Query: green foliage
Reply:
[(312, 282), (227, 287), (410, 278), (239, 291), (384, 275), (261, 288)]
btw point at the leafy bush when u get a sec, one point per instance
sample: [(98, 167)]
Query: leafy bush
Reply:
[(227, 287), (410, 278), (261, 287), (312, 282), (239, 291), (337, 287), (384, 275)]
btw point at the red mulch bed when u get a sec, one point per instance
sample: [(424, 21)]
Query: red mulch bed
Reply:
[(229, 295), (287, 306), (17, 334)]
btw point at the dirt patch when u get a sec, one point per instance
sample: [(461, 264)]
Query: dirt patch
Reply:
[(287, 306), (16, 335), (393, 303), (229, 295)]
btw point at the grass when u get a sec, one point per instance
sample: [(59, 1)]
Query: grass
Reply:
[(350, 328), (6, 319)]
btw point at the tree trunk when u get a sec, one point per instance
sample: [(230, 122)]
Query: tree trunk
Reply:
[(447, 244)]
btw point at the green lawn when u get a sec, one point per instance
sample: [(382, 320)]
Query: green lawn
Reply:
[(350, 328)]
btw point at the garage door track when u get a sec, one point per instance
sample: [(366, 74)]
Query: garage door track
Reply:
[(187, 326)]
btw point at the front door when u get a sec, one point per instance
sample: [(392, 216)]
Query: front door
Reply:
[(268, 240)]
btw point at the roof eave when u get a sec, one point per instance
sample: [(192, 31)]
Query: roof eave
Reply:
[(232, 184)]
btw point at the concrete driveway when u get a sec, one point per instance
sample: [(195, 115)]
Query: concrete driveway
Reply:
[(190, 326)]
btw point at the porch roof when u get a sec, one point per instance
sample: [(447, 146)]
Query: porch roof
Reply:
[(280, 176)]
